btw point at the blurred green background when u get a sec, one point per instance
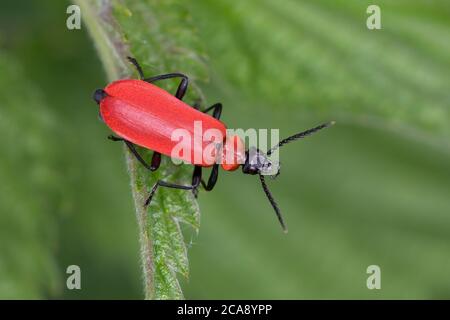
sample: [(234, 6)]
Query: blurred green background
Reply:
[(374, 189)]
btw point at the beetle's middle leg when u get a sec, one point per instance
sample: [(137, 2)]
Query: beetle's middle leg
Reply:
[(217, 110), (181, 90), (182, 87), (156, 158)]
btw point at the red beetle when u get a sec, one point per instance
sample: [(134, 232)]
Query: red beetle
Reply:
[(143, 114)]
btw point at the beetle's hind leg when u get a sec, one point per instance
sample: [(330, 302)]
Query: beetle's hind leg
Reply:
[(156, 158), (137, 66), (196, 178)]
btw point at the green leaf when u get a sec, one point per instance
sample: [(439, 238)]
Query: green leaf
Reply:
[(322, 60), (353, 196), (160, 35), (27, 190)]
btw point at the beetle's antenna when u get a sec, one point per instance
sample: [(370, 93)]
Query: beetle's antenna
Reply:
[(273, 203), (300, 135)]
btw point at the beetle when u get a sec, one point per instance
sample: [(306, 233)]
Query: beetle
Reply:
[(143, 114)]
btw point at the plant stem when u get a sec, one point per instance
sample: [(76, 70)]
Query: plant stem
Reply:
[(145, 239), (97, 16)]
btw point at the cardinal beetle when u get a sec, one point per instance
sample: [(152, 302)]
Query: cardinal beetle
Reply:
[(143, 114)]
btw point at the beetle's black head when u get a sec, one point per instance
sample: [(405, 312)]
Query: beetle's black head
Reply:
[(99, 95), (257, 162)]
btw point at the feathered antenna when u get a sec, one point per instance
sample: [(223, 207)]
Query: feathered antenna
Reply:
[(300, 135)]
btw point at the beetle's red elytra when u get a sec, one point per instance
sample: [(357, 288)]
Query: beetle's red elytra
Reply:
[(142, 114), (147, 116)]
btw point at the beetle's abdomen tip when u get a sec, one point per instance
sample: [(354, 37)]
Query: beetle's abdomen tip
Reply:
[(99, 95)]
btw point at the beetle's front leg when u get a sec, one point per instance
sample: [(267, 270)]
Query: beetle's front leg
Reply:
[(212, 178)]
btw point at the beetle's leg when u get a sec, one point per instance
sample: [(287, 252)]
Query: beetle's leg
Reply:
[(181, 91), (114, 138), (196, 105), (196, 178), (217, 110), (212, 178), (137, 66), (182, 87), (156, 159)]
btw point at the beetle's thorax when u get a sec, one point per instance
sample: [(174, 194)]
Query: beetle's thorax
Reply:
[(233, 153)]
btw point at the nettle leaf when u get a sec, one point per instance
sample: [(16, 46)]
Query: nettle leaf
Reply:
[(322, 59), (27, 238), (161, 37)]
